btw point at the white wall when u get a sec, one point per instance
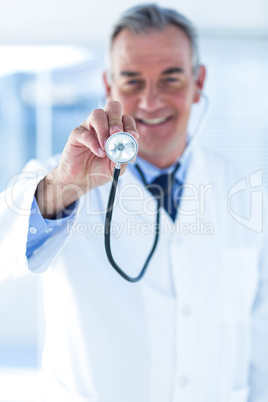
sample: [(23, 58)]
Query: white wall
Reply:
[(88, 22)]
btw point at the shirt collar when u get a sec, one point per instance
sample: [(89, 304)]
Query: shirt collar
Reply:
[(151, 172)]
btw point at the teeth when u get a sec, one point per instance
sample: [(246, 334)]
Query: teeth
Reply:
[(154, 121)]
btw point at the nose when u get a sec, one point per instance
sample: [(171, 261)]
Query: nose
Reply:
[(150, 98)]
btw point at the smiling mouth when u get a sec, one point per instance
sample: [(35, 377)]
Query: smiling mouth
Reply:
[(154, 122)]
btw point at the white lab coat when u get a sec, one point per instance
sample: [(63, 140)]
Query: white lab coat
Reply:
[(182, 334)]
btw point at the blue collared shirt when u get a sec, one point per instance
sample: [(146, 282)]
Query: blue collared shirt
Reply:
[(151, 172)]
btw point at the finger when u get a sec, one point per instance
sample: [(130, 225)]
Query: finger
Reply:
[(123, 169), (97, 120), (129, 125), (114, 114), (89, 139)]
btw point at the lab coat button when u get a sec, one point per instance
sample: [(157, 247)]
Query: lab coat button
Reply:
[(32, 230), (183, 381), (186, 309)]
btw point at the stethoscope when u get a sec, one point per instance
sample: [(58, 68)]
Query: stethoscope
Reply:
[(121, 148)]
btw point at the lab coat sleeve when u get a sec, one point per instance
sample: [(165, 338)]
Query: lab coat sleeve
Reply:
[(258, 378), (15, 209)]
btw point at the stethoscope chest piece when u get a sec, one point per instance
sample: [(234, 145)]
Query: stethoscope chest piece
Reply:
[(121, 147)]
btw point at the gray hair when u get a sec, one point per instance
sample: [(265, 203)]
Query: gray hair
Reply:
[(148, 17)]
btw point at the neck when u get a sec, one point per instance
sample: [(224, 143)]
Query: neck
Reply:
[(163, 160)]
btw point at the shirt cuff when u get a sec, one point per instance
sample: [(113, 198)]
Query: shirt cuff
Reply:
[(41, 229)]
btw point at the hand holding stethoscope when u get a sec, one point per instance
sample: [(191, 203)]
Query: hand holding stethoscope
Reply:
[(84, 164)]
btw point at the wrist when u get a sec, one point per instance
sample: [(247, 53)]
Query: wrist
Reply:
[(54, 195)]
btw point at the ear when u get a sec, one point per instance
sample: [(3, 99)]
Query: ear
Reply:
[(107, 85), (199, 82)]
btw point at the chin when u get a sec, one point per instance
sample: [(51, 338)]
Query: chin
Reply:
[(157, 152), (158, 143)]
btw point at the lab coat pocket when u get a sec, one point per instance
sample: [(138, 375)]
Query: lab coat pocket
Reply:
[(239, 395), (239, 282), (239, 270)]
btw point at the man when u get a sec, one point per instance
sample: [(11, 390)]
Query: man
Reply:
[(183, 332)]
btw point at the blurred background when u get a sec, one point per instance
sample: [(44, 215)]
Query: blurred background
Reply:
[(52, 55)]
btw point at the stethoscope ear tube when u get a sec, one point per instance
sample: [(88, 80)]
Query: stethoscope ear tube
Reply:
[(107, 233)]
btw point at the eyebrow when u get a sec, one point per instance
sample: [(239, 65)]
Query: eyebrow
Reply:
[(171, 70), (129, 74)]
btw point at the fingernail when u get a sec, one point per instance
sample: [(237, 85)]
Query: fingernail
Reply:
[(134, 133), (115, 129), (101, 152)]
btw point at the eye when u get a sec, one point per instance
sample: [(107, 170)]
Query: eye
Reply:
[(171, 83), (132, 82), (172, 79), (133, 85)]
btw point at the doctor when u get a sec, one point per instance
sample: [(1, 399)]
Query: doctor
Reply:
[(195, 328)]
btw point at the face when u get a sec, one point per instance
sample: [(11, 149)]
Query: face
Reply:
[(152, 77)]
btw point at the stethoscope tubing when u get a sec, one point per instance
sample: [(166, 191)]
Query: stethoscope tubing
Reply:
[(107, 232)]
